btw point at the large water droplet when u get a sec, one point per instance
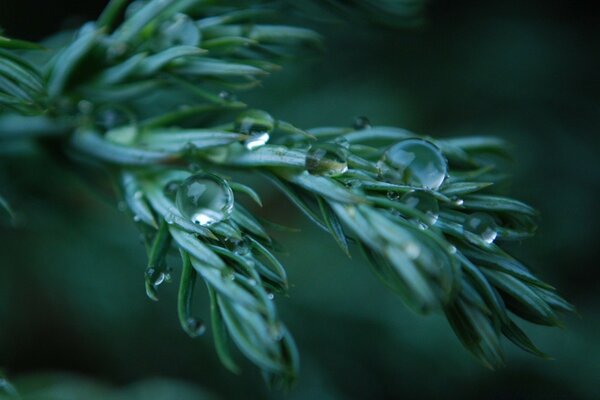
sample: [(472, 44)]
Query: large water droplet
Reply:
[(481, 225), (205, 199), (424, 202), (414, 162), (258, 125), (326, 159)]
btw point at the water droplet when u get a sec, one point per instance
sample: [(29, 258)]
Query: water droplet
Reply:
[(227, 96), (136, 218), (85, 107), (424, 202), (452, 249), (481, 225), (194, 167), (227, 273), (412, 250), (258, 125), (342, 141), (392, 195), (240, 247), (195, 326), (457, 201), (170, 189), (361, 123), (205, 199), (326, 159), (155, 277), (352, 183), (177, 31), (276, 331), (270, 296), (252, 282), (414, 162), (110, 118)]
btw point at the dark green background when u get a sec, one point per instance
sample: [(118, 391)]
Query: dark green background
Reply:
[(71, 275)]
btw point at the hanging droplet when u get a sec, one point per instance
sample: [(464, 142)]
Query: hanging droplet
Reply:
[(205, 199), (180, 30), (361, 123), (258, 125), (155, 277), (481, 225), (424, 202), (414, 162), (195, 327), (326, 159)]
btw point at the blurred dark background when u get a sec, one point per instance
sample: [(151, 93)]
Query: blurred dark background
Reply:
[(73, 313)]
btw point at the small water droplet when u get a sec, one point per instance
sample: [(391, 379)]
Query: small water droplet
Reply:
[(205, 199), (228, 274), (170, 189), (270, 296), (342, 141), (136, 218), (177, 31), (352, 183), (276, 331), (361, 123), (110, 118), (252, 282), (481, 225), (326, 159), (457, 201), (85, 107), (196, 326), (392, 195), (194, 167), (227, 96), (239, 247), (424, 202), (258, 125), (412, 250), (452, 249), (414, 162)]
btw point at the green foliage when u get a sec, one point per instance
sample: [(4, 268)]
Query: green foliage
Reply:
[(151, 100)]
